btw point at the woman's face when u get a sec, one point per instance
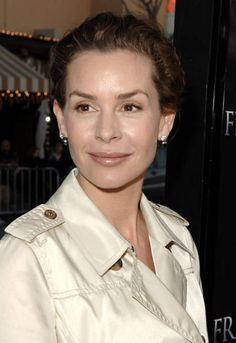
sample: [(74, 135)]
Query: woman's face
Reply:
[(112, 117)]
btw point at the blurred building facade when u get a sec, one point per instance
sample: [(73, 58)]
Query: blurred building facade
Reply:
[(59, 16)]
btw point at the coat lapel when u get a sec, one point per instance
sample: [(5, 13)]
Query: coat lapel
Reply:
[(151, 293), (169, 272)]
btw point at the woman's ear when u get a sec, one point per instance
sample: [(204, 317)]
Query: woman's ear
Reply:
[(166, 123), (60, 118)]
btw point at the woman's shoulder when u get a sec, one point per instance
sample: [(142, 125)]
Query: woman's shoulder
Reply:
[(23, 244), (164, 210), (14, 253)]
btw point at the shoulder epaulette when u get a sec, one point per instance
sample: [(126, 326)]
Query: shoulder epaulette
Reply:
[(31, 224)]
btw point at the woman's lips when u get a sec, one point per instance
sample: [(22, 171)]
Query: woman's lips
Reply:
[(109, 159)]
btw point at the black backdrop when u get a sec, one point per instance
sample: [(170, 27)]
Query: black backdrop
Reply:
[(201, 162)]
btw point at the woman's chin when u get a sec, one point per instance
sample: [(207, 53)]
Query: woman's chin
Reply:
[(110, 184)]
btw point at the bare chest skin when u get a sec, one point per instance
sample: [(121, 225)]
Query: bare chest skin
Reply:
[(144, 254), (142, 246)]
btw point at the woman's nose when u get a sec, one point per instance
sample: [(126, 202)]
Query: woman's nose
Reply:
[(108, 127)]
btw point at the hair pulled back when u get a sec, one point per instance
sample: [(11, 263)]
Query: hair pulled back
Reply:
[(108, 32)]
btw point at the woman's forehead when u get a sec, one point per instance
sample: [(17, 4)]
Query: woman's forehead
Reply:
[(109, 69)]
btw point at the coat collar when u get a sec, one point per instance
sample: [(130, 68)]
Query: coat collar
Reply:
[(161, 221), (92, 231), (100, 242)]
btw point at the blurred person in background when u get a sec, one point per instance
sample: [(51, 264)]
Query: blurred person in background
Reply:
[(8, 158), (60, 160), (32, 158)]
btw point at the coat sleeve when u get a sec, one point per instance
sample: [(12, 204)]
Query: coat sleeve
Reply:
[(27, 313)]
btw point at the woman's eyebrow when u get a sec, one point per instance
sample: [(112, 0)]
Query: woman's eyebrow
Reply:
[(82, 95), (121, 96), (131, 94)]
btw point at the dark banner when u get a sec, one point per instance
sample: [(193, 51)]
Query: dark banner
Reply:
[(201, 160), (224, 284)]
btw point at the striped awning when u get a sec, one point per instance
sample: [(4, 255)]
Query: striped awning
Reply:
[(17, 75)]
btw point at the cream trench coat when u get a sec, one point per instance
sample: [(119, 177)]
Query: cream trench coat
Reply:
[(67, 276)]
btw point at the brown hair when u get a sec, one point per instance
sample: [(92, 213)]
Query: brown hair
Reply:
[(108, 32)]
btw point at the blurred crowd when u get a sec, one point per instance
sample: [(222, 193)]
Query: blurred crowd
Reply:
[(56, 156)]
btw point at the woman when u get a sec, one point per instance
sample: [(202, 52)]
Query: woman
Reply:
[(99, 262)]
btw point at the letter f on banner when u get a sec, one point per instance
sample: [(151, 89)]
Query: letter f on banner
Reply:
[(227, 330)]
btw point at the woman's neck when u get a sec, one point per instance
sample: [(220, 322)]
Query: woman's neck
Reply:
[(119, 206)]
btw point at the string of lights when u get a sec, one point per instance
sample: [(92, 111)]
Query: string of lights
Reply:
[(19, 96), (27, 35)]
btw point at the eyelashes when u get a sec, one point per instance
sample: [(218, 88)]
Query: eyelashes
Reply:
[(85, 108), (127, 107), (130, 107)]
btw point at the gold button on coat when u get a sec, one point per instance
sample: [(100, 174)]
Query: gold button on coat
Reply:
[(50, 214), (118, 265)]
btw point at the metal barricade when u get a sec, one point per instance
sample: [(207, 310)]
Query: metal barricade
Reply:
[(23, 188)]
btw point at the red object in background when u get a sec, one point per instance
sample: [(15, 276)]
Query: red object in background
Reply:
[(171, 6)]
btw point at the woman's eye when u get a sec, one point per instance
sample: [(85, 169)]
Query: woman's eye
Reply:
[(85, 108), (131, 107)]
